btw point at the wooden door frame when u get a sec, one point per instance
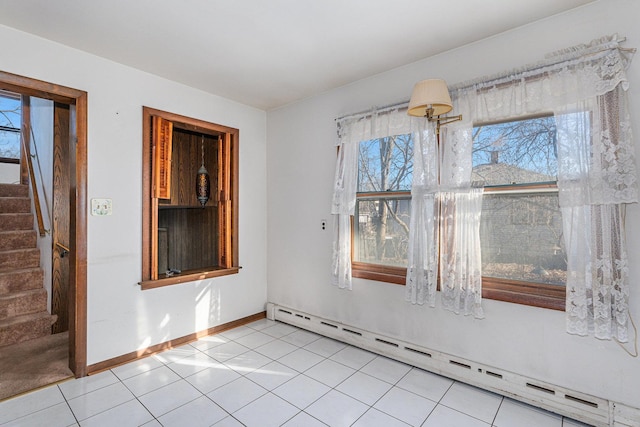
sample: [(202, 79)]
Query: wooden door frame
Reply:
[(78, 220)]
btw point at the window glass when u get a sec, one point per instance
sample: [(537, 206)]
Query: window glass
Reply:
[(385, 164), (521, 238), (381, 225), (521, 228), (515, 152), (10, 119), (382, 231)]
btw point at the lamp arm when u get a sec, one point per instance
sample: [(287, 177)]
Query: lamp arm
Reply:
[(444, 121)]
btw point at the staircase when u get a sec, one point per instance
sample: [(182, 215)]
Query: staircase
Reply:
[(23, 299)]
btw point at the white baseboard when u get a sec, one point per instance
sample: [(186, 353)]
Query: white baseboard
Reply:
[(571, 403)]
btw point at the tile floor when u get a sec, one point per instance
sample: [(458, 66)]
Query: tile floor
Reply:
[(269, 374)]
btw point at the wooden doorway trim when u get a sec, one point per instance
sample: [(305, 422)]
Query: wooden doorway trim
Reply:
[(78, 200)]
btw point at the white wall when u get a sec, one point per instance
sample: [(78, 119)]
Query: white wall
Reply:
[(525, 340), (42, 146), (121, 317), (9, 173)]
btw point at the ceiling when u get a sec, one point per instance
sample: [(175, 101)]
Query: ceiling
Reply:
[(268, 53)]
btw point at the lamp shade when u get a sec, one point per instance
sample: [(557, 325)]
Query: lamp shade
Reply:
[(431, 93)]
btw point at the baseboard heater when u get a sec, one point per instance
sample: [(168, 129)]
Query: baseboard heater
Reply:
[(589, 409)]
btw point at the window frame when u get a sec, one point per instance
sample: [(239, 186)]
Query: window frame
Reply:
[(227, 194), (12, 129), (507, 290), (519, 291)]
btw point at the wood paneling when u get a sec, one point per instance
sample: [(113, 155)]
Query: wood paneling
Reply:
[(187, 158), (191, 237), (202, 242), (61, 212)]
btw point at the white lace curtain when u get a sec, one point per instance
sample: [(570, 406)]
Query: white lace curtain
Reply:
[(585, 87), (352, 130), (444, 234), (437, 191)]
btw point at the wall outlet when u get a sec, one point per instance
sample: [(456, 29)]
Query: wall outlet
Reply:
[(101, 207)]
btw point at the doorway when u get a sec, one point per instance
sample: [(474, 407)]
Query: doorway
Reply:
[(69, 224)]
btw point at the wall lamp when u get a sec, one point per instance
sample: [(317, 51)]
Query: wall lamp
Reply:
[(430, 98)]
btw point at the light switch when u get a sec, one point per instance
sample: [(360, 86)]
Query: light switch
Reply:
[(101, 207)]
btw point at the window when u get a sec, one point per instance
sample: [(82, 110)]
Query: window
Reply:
[(383, 205), (10, 120), (184, 239), (523, 256)]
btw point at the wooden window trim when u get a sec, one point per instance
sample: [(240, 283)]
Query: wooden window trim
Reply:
[(514, 291), (188, 276), (228, 262), (526, 293), (381, 273)]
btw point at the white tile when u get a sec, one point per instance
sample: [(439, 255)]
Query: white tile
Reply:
[(136, 367), (301, 338), (269, 410), (77, 387), (131, 413), (235, 333), (386, 369), (425, 384), (176, 353), (56, 415), (209, 341), (272, 375), (279, 330), (330, 373), (276, 349), (375, 418), (247, 362), (325, 347), (20, 406), (363, 387), (152, 423), (337, 409), (353, 357), (568, 422), (236, 394), (201, 412), (169, 397), (517, 414), (301, 359), (447, 417), (189, 365), (303, 420), (226, 351), (255, 339), (90, 404), (472, 401), (301, 391), (150, 380), (405, 406), (261, 324), (228, 422), (211, 378)]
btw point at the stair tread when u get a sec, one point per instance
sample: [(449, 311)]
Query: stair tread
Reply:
[(14, 189), (24, 318), (22, 293), (8, 271), (20, 250)]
